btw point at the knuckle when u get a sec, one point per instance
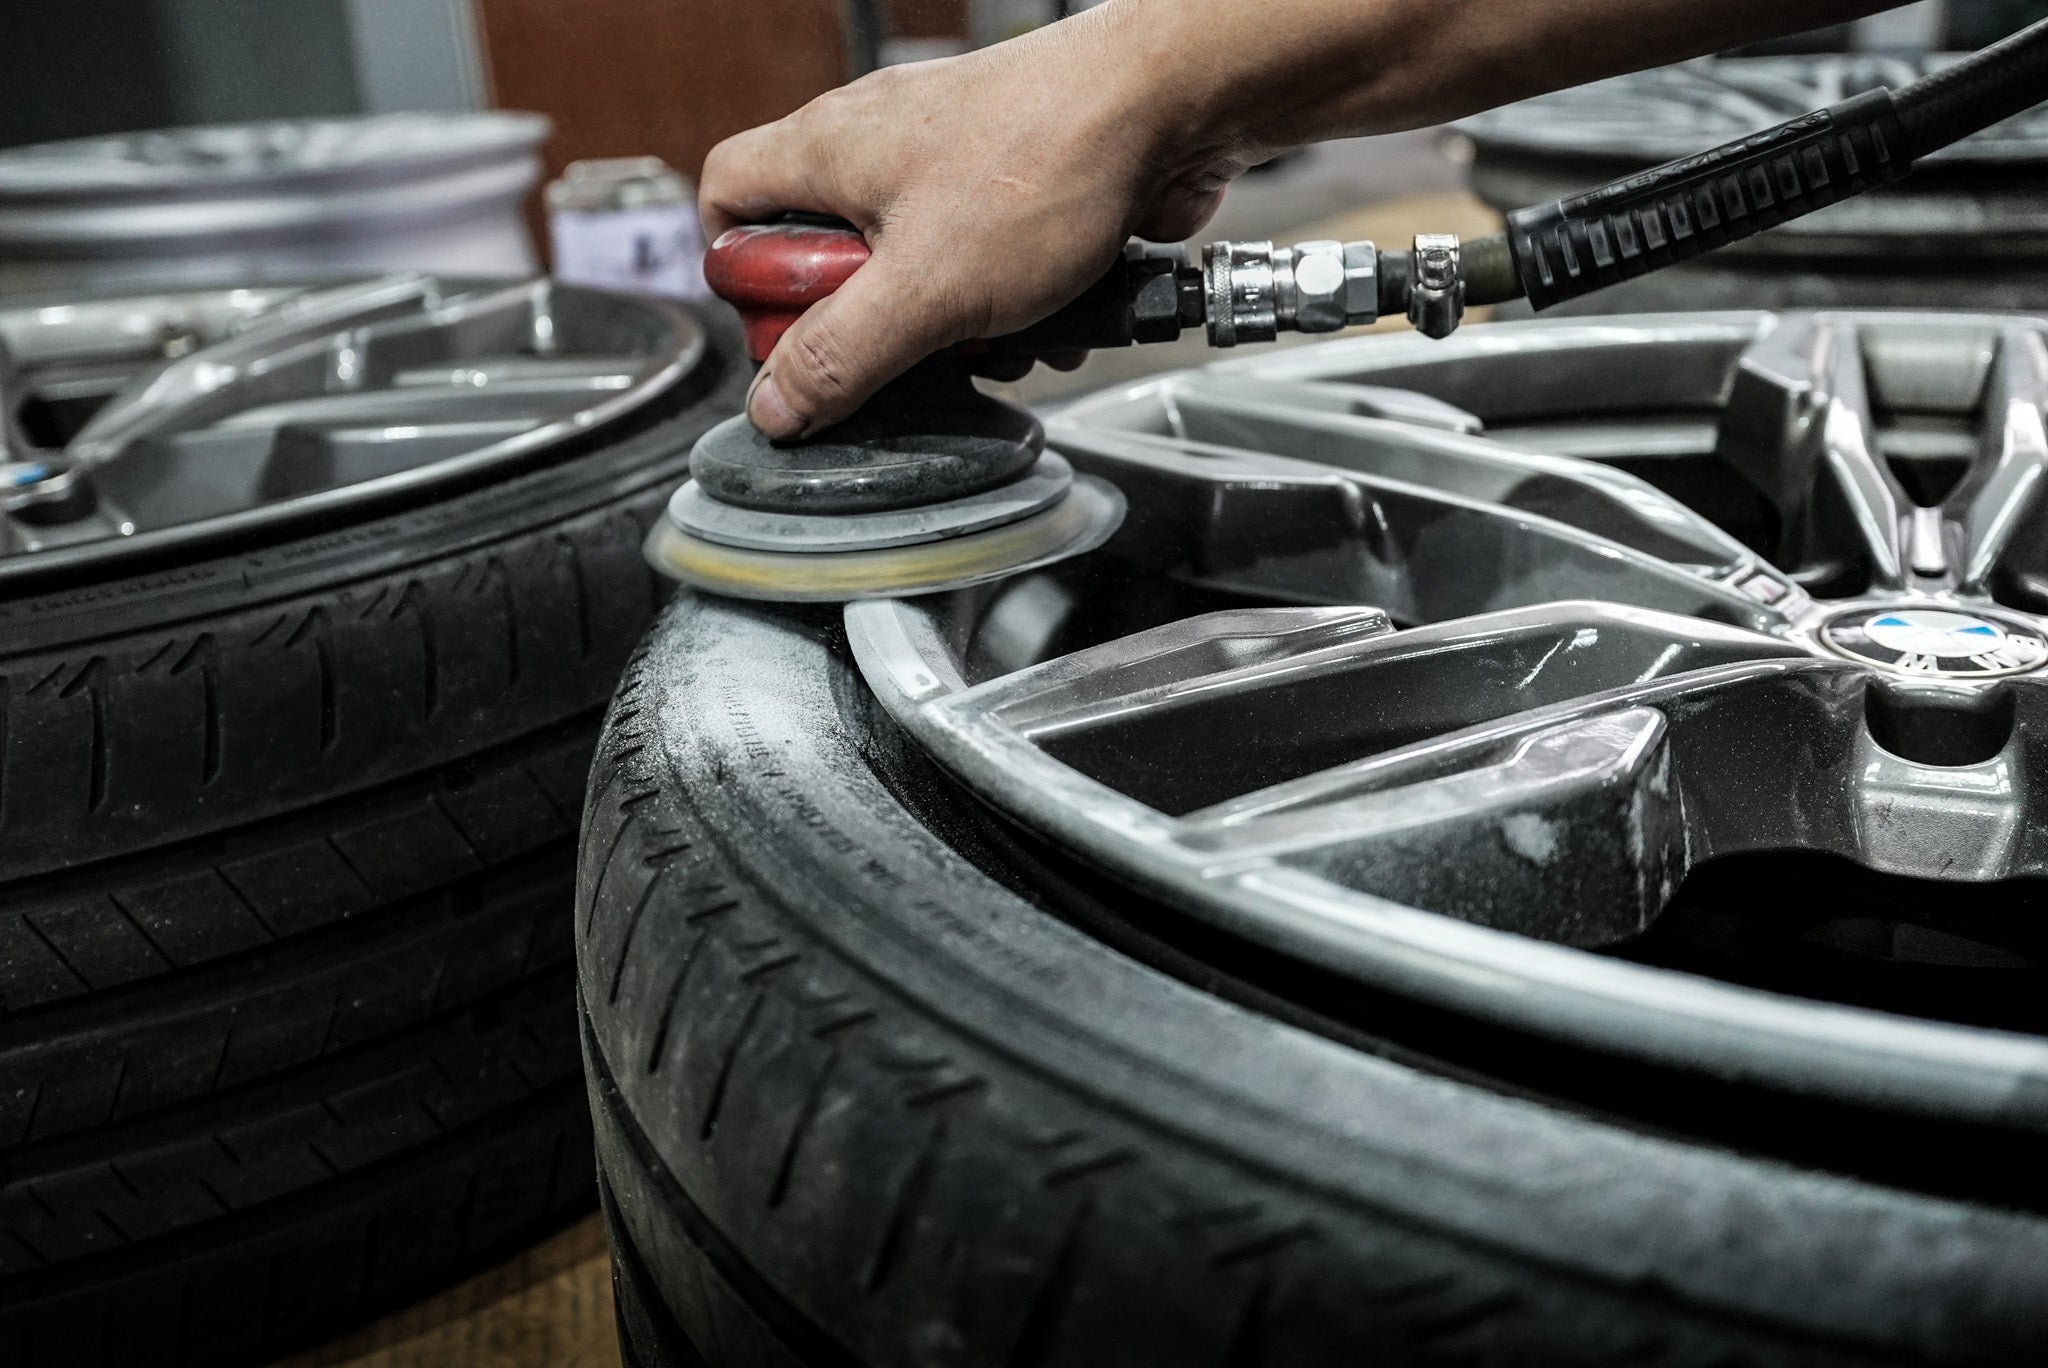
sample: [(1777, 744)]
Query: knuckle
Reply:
[(821, 374), (825, 367)]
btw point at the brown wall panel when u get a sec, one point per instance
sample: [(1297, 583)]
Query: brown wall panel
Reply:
[(667, 77), (928, 18)]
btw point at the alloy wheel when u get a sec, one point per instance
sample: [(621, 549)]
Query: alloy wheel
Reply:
[(1745, 603)]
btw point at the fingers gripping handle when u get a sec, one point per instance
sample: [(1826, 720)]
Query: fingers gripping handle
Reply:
[(772, 272)]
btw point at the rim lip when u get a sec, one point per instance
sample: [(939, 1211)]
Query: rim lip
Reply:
[(25, 314), (97, 556), (94, 167), (1671, 1018), (1561, 133)]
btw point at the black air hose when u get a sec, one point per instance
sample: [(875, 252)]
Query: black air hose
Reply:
[(1982, 89), (1627, 228)]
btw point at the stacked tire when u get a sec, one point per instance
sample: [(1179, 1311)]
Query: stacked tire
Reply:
[(287, 840)]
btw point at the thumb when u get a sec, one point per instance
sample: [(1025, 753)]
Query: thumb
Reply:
[(882, 321), (1180, 212)]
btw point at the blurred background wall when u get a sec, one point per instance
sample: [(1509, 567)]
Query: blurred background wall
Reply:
[(112, 66), (620, 77), (633, 77)]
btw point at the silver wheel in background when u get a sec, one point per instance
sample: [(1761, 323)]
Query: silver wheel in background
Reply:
[(281, 406), (282, 200)]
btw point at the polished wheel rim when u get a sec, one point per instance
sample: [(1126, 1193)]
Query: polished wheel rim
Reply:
[(227, 156), (1650, 598), (312, 406)]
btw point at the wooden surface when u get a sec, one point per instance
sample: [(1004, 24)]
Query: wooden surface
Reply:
[(549, 1308), (668, 78), (927, 18)]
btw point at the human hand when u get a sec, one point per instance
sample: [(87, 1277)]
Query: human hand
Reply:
[(991, 188)]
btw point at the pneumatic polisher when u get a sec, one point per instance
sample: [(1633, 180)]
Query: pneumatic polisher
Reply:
[(934, 485)]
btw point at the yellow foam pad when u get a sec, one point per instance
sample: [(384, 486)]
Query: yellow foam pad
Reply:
[(1080, 522)]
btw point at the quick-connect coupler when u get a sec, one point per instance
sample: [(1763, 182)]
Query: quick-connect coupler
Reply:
[(1254, 291)]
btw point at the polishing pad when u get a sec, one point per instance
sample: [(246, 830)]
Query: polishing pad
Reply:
[(696, 511), (887, 566)]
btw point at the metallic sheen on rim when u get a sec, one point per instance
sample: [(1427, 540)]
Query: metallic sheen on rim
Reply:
[(296, 405), (288, 199), (1598, 686)]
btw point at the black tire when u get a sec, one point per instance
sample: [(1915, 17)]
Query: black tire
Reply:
[(287, 844), (859, 1103)]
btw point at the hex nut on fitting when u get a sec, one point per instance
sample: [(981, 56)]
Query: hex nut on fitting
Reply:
[(1319, 287), (1361, 283), (1436, 288)]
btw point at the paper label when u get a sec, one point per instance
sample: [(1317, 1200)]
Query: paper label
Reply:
[(655, 249)]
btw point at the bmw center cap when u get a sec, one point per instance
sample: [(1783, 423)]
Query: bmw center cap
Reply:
[(1938, 643)]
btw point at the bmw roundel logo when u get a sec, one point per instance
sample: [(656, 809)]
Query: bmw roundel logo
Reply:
[(1938, 643)]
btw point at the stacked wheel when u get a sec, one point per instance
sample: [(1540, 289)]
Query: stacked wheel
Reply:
[(299, 691)]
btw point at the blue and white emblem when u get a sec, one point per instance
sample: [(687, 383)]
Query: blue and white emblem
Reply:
[(1938, 643)]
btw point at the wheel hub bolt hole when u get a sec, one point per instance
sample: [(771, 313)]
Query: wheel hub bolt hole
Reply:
[(1947, 727)]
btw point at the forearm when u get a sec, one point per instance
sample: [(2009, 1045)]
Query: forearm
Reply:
[(1227, 83)]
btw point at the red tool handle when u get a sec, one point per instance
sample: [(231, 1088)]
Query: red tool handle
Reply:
[(772, 272)]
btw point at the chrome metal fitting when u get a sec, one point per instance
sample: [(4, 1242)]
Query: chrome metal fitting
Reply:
[(1326, 285), (1436, 285), (1255, 291), (1242, 304), (1361, 283)]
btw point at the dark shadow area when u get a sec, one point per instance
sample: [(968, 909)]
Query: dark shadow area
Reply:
[(1822, 927), (1945, 728)]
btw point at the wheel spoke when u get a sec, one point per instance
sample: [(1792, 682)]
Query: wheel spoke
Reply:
[(285, 356), (1355, 428), (412, 407), (1210, 708), (1999, 506), (1284, 527), (1946, 783), (1580, 815), (1498, 769), (1799, 427), (1277, 401)]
